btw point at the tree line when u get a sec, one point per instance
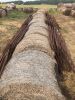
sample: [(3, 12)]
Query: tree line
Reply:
[(43, 2)]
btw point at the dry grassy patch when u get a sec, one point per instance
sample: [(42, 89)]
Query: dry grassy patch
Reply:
[(67, 25), (9, 25), (7, 31)]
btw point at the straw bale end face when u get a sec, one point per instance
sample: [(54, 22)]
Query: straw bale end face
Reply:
[(3, 12), (73, 13), (11, 5), (67, 11), (28, 10)]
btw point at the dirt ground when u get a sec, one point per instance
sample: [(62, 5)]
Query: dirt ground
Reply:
[(67, 25)]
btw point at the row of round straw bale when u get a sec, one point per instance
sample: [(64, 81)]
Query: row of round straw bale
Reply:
[(9, 7), (67, 5), (12, 6), (27, 9), (67, 9), (30, 74), (4, 12)]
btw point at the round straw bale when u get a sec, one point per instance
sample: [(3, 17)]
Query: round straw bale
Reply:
[(9, 9), (42, 11), (11, 6), (38, 30), (3, 12), (67, 11), (36, 41), (28, 10), (73, 6), (42, 17), (38, 13), (35, 20), (30, 75), (73, 13), (39, 23), (8, 6), (39, 17), (68, 5)]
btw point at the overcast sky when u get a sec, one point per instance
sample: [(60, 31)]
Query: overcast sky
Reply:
[(14, 0)]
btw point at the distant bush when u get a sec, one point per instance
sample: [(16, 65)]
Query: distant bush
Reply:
[(42, 2), (16, 2)]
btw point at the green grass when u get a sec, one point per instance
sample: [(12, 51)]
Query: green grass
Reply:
[(54, 11), (38, 6), (34, 6), (14, 15)]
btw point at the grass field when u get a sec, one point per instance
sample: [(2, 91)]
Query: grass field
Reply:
[(34, 6), (39, 6)]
